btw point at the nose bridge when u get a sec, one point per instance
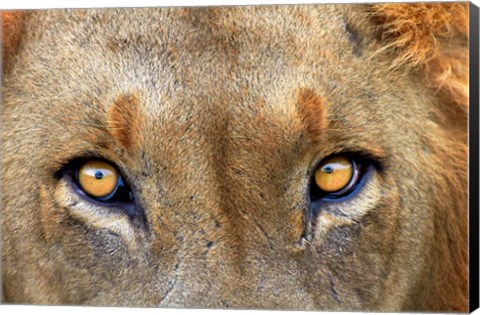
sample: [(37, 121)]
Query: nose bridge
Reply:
[(222, 255), (193, 220), (225, 260), (209, 258)]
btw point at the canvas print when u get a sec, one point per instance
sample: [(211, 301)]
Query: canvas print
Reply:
[(298, 157)]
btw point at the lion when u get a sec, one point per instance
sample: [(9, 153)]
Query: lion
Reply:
[(309, 157)]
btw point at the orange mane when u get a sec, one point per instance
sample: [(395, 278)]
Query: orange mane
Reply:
[(427, 37)]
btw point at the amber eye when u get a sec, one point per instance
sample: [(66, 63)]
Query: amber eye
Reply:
[(100, 182), (334, 174), (335, 177), (98, 179)]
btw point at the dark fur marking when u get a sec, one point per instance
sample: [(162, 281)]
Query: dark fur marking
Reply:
[(355, 40)]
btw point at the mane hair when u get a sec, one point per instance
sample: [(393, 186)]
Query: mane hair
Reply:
[(431, 38)]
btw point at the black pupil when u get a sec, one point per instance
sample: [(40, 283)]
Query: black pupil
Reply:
[(98, 175), (328, 169)]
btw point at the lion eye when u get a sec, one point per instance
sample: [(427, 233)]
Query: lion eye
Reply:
[(97, 178), (101, 181), (335, 177), (334, 174)]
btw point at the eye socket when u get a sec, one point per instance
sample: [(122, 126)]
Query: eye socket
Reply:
[(336, 177), (102, 182)]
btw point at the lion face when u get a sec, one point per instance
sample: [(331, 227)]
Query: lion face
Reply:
[(255, 157)]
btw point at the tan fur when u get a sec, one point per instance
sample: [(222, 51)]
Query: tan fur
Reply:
[(423, 37), (216, 118)]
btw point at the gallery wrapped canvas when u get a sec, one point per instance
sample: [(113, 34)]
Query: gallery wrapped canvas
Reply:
[(299, 157)]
